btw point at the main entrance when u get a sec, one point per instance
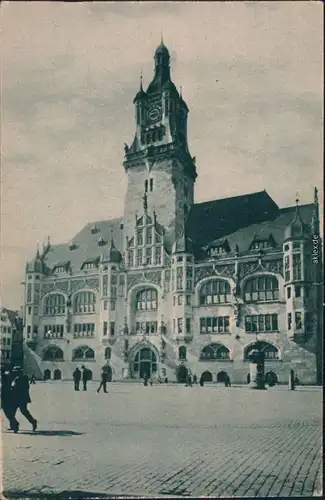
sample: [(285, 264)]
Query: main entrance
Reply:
[(145, 362)]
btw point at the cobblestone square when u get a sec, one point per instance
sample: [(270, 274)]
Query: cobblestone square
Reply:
[(166, 440)]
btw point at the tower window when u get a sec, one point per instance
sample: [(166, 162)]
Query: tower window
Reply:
[(151, 184), (146, 186), (288, 292), (298, 291)]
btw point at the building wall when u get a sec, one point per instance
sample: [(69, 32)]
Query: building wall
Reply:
[(291, 355)]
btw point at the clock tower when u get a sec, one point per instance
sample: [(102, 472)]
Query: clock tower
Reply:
[(158, 162)]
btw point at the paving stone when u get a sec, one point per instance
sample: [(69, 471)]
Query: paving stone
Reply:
[(169, 440)]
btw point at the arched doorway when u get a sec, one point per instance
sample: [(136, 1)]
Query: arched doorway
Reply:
[(221, 376), (182, 373), (57, 375), (271, 378), (145, 362), (47, 374), (207, 376)]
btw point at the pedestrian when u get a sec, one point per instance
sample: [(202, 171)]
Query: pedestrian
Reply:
[(227, 381), (151, 381), (76, 378), (85, 377), (194, 378), (145, 380), (33, 379), (189, 380), (21, 397), (7, 401), (296, 381), (166, 380), (104, 379), (201, 382)]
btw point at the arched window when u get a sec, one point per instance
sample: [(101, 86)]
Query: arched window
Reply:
[(146, 300), (54, 304), (271, 352), (84, 302), (215, 351), (108, 353), (182, 353), (52, 353), (83, 352), (261, 288), (215, 292)]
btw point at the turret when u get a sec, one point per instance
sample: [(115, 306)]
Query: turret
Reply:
[(297, 276), (182, 287)]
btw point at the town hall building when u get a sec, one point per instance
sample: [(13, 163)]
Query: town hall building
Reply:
[(173, 286)]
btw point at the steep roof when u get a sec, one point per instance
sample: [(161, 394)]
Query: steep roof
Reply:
[(216, 219), (262, 230), (86, 247), (238, 219)]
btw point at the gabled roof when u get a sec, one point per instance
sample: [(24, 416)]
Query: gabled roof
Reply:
[(243, 237), (86, 244), (212, 220)]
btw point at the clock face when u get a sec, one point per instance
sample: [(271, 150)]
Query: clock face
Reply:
[(154, 113)]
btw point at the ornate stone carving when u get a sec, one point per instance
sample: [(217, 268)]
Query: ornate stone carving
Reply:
[(92, 283), (248, 268), (162, 349), (149, 276), (227, 270), (274, 266), (203, 272), (60, 286), (213, 271)]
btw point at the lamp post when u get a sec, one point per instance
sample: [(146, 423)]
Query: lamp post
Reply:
[(256, 366)]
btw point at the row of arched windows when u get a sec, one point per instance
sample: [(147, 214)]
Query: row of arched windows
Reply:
[(83, 302), (209, 353), (54, 353), (215, 291), (220, 351)]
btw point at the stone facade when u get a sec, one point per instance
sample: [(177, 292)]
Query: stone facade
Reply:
[(176, 287)]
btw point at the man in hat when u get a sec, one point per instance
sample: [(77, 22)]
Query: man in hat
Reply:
[(20, 395), (85, 377), (6, 400)]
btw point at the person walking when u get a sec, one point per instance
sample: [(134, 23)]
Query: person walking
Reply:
[(76, 378), (145, 380), (85, 377), (20, 396), (33, 379), (201, 381), (104, 380), (7, 402), (194, 378), (227, 381), (189, 380)]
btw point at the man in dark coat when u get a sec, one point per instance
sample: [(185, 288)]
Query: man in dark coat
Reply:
[(7, 401), (85, 377), (76, 378), (104, 379), (20, 395)]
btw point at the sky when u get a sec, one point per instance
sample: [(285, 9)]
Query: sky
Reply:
[(251, 74)]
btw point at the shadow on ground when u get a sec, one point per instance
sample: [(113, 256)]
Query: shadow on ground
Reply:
[(68, 495), (52, 433)]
